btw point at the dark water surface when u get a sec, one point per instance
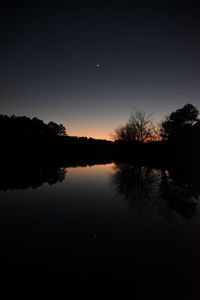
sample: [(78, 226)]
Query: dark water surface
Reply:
[(120, 221)]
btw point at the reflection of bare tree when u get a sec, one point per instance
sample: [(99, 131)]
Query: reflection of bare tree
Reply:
[(152, 189), (135, 183), (27, 177)]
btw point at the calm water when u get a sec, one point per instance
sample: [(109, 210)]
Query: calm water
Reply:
[(117, 220)]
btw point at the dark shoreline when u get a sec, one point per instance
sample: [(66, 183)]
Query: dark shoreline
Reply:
[(23, 169), (64, 152)]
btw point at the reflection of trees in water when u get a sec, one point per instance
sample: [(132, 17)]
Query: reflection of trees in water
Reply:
[(152, 189), (25, 177)]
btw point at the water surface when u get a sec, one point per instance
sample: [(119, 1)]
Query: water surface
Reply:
[(112, 220)]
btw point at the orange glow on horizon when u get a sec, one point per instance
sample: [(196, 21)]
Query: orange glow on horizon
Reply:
[(92, 133), (94, 136)]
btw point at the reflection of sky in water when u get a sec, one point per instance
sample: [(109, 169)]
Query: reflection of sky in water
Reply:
[(89, 214)]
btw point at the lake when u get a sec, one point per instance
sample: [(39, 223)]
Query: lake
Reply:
[(114, 220)]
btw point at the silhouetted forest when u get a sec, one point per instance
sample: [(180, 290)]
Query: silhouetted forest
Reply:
[(177, 140), (24, 139)]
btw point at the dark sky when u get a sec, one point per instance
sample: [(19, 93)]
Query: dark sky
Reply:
[(88, 65)]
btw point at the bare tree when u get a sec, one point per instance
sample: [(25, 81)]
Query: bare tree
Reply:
[(139, 128), (124, 133)]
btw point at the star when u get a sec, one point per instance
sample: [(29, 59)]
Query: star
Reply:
[(97, 65)]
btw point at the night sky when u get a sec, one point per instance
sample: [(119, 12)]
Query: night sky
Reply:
[(88, 65)]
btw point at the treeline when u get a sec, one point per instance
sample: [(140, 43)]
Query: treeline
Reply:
[(27, 128), (139, 140), (181, 126), (175, 139), (27, 139)]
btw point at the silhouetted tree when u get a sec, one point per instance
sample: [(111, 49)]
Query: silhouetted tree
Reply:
[(124, 133), (178, 125), (58, 129), (139, 128)]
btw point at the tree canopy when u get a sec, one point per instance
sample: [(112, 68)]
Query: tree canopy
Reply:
[(24, 127), (178, 125), (58, 129)]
